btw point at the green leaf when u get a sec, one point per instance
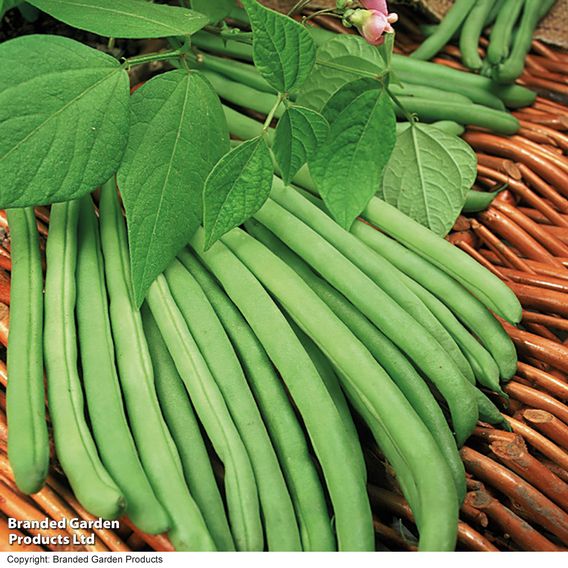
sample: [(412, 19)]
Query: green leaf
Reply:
[(299, 133), (63, 119), (215, 10), (178, 133), (237, 188), (283, 50), (124, 18), (346, 54), (428, 176), (348, 166)]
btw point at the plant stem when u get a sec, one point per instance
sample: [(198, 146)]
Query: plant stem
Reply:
[(327, 11), (410, 117), (298, 7), (158, 56), (273, 110)]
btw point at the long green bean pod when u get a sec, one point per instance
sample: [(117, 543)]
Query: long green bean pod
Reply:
[(513, 66), (383, 350), (240, 485), (76, 451), (468, 114), (276, 505), (373, 265), (351, 507), (471, 32), (184, 427), (28, 440), (381, 309), (466, 307), (354, 362), (496, 295), (445, 30), (155, 445), (102, 389), (279, 416), (501, 32)]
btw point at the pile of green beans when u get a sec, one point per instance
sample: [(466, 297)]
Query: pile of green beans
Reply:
[(253, 358), (511, 24)]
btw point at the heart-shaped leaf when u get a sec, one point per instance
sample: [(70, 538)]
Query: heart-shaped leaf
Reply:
[(124, 18), (283, 50), (215, 10), (63, 119), (299, 132), (428, 176), (237, 188), (348, 166), (178, 133)]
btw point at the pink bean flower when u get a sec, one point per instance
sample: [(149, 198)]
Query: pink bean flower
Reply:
[(373, 22)]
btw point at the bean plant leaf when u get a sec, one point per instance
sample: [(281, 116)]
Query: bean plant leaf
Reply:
[(338, 63), (215, 10), (178, 133), (299, 133), (237, 188), (124, 18), (348, 166), (63, 119), (283, 50), (428, 176)]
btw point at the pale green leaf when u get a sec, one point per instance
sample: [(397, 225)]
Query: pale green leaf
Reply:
[(428, 176), (299, 133), (348, 166), (215, 10), (63, 119), (283, 50), (237, 188), (124, 18), (345, 55), (178, 133)]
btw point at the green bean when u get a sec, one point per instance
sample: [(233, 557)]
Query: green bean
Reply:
[(74, 445), (352, 512), (243, 95), (471, 33), (496, 295), (276, 505), (379, 270), (445, 30), (184, 427), (513, 66), (240, 485), (478, 200), (380, 308), (497, 7), (232, 70), (242, 126), (430, 93), (480, 90), (466, 307), (383, 350), (331, 382), (216, 43), (354, 362), (467, 114), (286, 433), (102, 390), (489, 413), (500, 38), (28, 440), (155, 445)]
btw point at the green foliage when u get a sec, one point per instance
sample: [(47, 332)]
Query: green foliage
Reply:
[(339, 61), (429, 175), (177, 134), (215, 10), (348, 166), (63, 118), (237, 188), (299, 132), (283, 50), (124, 18)]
